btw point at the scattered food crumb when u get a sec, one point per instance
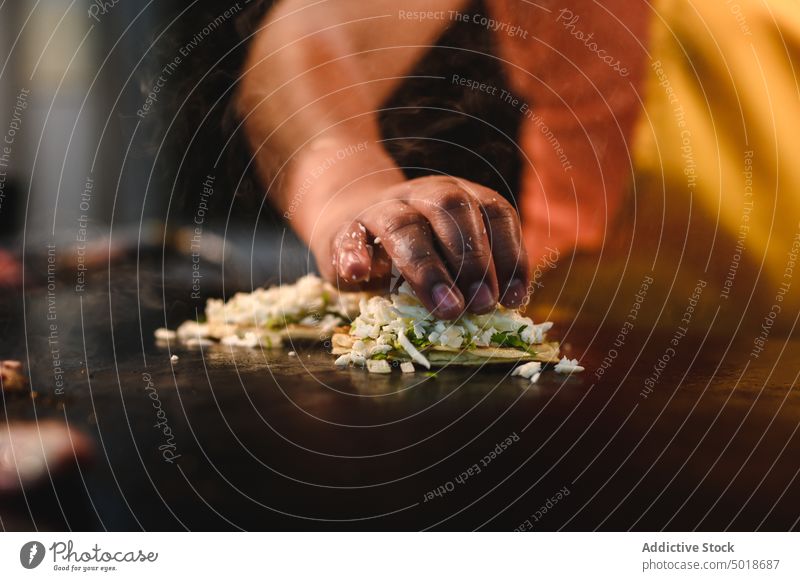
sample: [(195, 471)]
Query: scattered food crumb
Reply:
[(174, 358), (407, 367), (568, 366), (527, 370), (11, 377), (163, 334), (292, 354), (378, 366)]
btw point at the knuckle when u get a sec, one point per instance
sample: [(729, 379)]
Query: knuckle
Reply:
[(451, 201), (504, 227), (464, 251), (427, 262), (439, 180), (498, 208), (396, 223), (478, 258)]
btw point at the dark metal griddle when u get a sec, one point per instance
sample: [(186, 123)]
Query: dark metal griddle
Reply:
[(272, 441)]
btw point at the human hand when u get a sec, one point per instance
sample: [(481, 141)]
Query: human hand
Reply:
[(457, 243)]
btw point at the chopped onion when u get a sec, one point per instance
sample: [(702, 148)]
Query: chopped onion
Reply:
[(378, 366), (409, 348), (568, 366), (527, 370)]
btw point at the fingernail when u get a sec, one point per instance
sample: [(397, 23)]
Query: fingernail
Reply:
[(515, 293), (446, 300), (482, 299)]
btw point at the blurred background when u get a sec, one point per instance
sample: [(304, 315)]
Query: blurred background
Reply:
[(126, 114), (95, 121)]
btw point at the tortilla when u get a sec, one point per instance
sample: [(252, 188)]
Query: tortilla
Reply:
[(294, 333), (308, 310), (439, 356)]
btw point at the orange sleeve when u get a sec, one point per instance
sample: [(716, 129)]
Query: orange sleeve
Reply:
[(577, 72)]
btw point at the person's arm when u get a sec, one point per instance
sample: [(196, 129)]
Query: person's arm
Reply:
[(316, 74)]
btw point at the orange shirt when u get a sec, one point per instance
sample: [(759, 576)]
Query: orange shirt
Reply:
[(709, 135), (578, 73)]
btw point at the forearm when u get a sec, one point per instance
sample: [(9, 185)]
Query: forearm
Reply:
[(309, 98), (313, 81), (327, 176)]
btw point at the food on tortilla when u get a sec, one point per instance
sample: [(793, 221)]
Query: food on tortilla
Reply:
[(309, 309), (400, 328)]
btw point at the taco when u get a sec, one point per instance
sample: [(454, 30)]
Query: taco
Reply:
[(308, 310), (399, 328)]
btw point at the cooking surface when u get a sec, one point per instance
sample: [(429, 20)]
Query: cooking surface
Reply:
[(263, 440)]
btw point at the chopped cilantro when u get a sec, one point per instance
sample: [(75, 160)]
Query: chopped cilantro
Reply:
[(420, 343), (509, 339)]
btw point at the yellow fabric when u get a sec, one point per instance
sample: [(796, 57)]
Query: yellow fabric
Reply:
[(721, 99), (733, 67)]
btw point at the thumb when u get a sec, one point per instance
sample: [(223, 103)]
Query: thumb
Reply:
[(352, 255)]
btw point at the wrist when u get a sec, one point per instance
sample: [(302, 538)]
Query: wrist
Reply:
[(330, 180)]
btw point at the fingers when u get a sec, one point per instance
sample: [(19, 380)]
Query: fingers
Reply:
[(458, 244), (381, 264), (508, 251), (352, 255), (456, 219), (406, 235), (358, 262)]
